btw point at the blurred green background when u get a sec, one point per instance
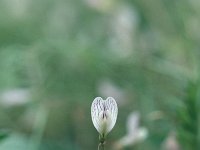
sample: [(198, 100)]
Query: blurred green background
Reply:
[(57, 56)]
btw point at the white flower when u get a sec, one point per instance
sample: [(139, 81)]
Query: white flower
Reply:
[(135, 133), (104, 114)]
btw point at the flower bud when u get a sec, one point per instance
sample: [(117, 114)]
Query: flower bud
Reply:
[(104, 114)]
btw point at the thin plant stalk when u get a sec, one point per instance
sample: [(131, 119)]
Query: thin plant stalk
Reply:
[(101, 146)]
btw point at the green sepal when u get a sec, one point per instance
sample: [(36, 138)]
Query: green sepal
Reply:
[(102, 138)]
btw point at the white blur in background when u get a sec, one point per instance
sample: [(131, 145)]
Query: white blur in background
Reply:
[(135, 134), (14, 97)]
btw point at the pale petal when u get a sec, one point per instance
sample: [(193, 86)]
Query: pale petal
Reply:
[(96, 109), (111, 106), (104, 114)]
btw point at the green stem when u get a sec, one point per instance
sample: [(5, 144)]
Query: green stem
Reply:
[(101, 146), (102, 140)]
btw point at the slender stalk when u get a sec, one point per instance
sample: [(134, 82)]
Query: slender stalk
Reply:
[(101, 142), (101, 146)]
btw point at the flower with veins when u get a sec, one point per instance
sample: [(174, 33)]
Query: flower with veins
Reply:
[(104, 115)]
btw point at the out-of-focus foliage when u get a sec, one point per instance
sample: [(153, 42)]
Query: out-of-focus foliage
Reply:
[(57, 56), (187, 118)]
